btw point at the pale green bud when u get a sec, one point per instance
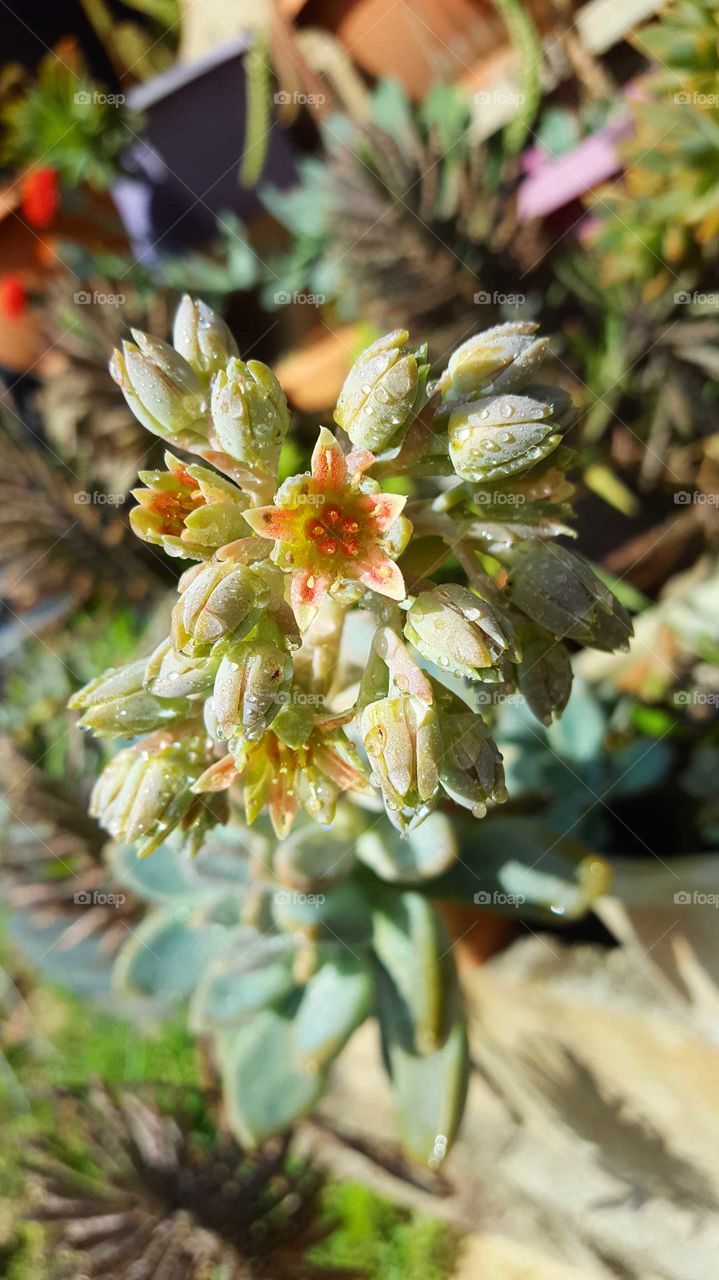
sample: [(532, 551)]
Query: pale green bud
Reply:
[(558, 590), (202, 337), (249, 690), (383, 391), (249, 413), (501, 436), (471, 771), (544, 674), (144, 794), (402, 739), (454, 628), (169, 674), (223, 601), (500, 359), (161, 389), (117, 705)]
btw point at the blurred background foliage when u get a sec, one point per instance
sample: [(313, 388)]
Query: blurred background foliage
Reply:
[(354, 172)]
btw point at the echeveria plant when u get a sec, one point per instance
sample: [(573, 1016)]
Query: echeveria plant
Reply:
[(327, 665)]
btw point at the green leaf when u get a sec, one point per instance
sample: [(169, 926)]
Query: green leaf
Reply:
[(410, 941), (334, 1003), (167, 953), (265, 1090), (431, 1089), (516, 863), (309, 859), (255, 972), (424, 853), (221, 867)]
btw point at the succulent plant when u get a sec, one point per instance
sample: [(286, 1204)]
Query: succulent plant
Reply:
[(324, 669), (129, 1187)]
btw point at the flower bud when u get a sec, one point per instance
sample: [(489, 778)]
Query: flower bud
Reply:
[(383, 391), (161, 389), (558, 590), (500, 359), (117, 705), (497, 437), (188, 510), (456, 629), (169, 674), (202, 337), (249, 685), (144, 794), (224, 600), (544, 674), (402, 739), (471, 772), (249, 413)]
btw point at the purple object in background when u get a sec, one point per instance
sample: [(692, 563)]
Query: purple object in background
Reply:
[(183, 170), (552, 183)]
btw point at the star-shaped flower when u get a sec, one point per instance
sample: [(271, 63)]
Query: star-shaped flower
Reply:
[(332, 525)]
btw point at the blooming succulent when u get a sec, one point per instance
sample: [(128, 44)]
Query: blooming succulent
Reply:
[(329, 657)]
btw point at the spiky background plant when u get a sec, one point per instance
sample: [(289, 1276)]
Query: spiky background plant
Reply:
[(403, 219), (128, 1188), (663, 217), (334, 640)]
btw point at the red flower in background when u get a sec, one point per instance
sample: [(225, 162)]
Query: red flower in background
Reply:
[(40, 197), (13, 297)]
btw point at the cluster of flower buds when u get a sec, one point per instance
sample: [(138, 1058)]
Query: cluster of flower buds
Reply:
[(322, 645)]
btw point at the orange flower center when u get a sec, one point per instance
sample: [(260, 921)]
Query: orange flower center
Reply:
[(334, 531)]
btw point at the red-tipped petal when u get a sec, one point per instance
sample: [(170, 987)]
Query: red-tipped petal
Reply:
[(307, 592), (380, 574), (218, 777), (282, 803), (383, 508), (329, 466), (344, 774), (272, 522), (359, 460)]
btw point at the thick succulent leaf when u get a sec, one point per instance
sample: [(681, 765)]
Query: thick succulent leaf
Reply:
[(221, 867), (515, 864), (425, 852), (167, 953), (255, 972), (340, 911), (413, 946), (312, 858), (334, 1003), (265, 1090), (430, 1089)]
